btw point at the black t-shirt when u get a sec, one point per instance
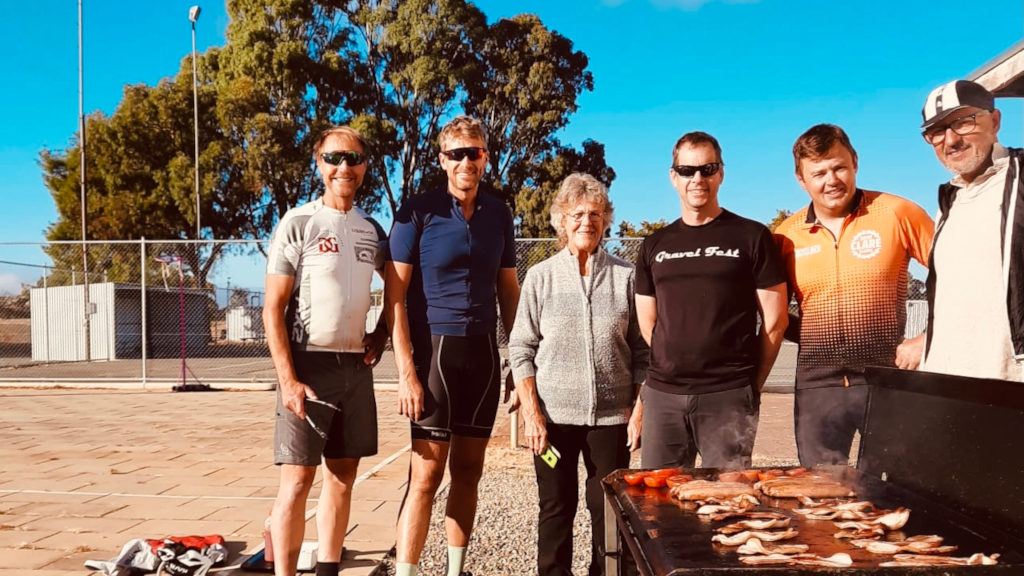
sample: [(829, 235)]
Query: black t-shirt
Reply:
[(705, 280)]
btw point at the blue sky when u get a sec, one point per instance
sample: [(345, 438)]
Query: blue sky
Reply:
[(753, 73)]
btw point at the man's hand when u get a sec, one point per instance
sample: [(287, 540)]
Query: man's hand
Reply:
[(510, 393), (410, 397), (293, 396), (909, 352), (635, 426), (374, 344)]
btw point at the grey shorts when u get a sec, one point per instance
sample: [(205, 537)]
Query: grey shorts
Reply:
[(342, 380)]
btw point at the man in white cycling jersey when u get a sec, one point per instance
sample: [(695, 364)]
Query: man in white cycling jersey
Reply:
[(321, 260)]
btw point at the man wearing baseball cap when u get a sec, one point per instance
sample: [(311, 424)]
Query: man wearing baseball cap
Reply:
[(976, 269)]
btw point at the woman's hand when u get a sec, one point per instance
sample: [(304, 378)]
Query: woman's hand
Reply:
[(536, 431)]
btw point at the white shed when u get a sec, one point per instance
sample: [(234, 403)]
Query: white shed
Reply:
[(115, 322)]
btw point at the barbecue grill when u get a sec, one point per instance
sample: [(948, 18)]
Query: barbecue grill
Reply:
[(951, 449)]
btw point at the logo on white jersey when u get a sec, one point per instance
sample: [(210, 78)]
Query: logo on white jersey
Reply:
[(698, 253), (866, 244), (327, 245)]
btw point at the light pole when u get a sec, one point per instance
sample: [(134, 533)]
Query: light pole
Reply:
[(193, 15), (81, 175)]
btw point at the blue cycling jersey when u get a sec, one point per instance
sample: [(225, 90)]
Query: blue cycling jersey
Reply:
[(455, 263)]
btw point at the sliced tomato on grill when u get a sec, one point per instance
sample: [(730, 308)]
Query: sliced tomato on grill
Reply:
[(652, 481), (634, 478)]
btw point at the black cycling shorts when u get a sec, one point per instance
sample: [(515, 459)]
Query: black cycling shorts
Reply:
[(462, 383)]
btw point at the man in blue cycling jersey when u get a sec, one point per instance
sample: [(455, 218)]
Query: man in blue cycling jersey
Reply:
[(452, 254)]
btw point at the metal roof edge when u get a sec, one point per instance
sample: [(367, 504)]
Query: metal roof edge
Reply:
[(1004, 74)]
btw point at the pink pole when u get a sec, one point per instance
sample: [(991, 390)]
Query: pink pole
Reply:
[(181, 317)]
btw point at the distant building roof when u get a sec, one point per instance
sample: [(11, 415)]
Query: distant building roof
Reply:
[(1004, 74)]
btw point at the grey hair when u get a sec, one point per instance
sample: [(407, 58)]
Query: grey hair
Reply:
[(578, 187)]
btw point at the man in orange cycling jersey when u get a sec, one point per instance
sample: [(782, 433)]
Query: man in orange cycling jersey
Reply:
[(846, 255)]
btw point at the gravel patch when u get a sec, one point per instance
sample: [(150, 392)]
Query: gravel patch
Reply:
[(505, 535)]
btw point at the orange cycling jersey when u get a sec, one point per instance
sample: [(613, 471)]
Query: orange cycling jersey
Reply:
[(852, 290)]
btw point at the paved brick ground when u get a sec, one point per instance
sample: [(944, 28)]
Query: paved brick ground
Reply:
[(237, 373), (87, 470)]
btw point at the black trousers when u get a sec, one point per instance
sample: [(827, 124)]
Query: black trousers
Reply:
[(826, 420), (604, 450)]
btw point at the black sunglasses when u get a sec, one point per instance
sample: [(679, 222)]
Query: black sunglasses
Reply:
[(706, 170), (349, 157), (457, 154)]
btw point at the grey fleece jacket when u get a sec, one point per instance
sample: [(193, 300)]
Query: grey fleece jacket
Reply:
[(580, 340)]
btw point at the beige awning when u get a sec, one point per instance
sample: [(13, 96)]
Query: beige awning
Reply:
[(1004, 74)]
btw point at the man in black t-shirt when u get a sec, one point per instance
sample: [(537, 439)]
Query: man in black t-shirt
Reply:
[(700, 283)]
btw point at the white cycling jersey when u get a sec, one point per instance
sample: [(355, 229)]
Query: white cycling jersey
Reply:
[(332, 256)]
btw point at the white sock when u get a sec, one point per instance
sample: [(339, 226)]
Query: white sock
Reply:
[(456, 557), (405, 569)]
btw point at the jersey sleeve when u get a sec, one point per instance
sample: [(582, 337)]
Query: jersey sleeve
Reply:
[(767, 265), (404, 241), (643, 280), (285, 247), (916, 231)]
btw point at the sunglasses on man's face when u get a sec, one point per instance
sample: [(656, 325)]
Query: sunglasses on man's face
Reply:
[(457, 154), (706, 170), (350, 157)]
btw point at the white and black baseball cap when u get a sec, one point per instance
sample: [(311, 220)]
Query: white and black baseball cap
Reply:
[(954, 96)]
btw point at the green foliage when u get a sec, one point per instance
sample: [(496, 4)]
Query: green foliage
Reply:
[(628, 230), (395, 70), (527, 88), (780, 216), (533, 201)]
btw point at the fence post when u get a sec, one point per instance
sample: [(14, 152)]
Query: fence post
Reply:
[(142, 302), (513, 430)]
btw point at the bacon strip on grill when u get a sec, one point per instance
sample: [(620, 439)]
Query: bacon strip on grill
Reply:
[(755, 546), (753, 525), (726, 514), (927, 560), (886, 519), (769, 560), (871, 532), (742, 537), (838, 560), (922, 544), (835, 509)]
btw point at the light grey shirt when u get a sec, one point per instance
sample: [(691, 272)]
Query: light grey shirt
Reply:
[(580, 340), (332, 256)]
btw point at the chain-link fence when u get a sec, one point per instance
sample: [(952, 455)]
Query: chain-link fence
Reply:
[(181, 311), (155, 311)]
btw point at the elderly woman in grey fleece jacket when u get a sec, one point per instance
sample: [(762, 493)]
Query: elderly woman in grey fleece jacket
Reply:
[(578, 360)]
